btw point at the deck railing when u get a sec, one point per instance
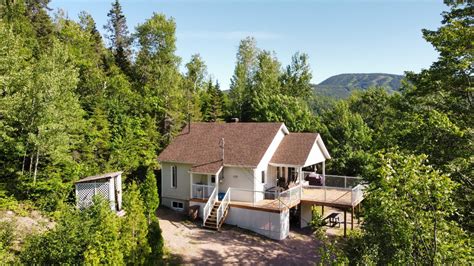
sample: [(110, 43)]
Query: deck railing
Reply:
[(209, 205), (279, 200), (337, 181), (201, 191), (223, 206), (357, 192), (290, 197)]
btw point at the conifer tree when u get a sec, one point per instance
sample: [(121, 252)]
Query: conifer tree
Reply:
[(134, 227), (119, 37), (150, 195)]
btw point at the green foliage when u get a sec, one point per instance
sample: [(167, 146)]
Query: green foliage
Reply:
[(349, 138), (104, 242), (134, 228), (297, 77), (447, 84), (156, 242), (406, 219), (150, 195), (96, 235), (329, 251), (118, 37), (158, 79), (243, 75), (65, 243), (317, 222), (6, 234)]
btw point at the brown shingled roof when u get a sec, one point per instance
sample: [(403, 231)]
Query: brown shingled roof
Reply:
[(207, 168), (245, 144), (294, 149)]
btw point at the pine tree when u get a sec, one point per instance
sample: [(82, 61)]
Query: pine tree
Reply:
[(119, 37), (134, 228), (150, 195)]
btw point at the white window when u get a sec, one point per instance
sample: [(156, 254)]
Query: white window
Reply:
[(174, 176), (263, 177), (179, 206)]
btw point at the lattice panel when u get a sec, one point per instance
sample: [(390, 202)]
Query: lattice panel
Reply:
[(86, 191), (103, 190)]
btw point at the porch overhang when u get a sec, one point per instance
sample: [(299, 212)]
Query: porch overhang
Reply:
[(211, 168), (300, 150)]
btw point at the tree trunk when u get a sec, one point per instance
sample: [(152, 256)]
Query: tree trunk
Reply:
[(23, 164), (36, 166), (31, 163)]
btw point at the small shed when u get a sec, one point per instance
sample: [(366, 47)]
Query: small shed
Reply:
[(107, 185)]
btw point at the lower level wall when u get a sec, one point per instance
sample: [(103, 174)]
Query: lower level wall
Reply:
[(168, 203), (306, 214), (270, 224)]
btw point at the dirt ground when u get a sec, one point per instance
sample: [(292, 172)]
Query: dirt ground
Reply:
[(188, 243)]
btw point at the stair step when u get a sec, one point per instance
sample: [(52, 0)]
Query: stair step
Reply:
[(211, 227)]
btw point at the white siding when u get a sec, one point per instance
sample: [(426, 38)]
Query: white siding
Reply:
[(306, 215), (315, 155), (182, 190), (270, 224), (263, 165), (238, 177)]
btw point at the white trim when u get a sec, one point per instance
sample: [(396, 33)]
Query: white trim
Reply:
[(321, 145), (284, 165)]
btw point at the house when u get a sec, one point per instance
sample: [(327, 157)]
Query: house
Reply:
[(108, 185), (251, 175)]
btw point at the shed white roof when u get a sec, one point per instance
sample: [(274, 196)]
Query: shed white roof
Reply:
[(97, 177)]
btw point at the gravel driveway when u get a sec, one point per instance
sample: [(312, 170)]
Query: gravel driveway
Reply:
[(190, 244)]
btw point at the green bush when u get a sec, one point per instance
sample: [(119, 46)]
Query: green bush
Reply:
[(156, 242), (6, 234)]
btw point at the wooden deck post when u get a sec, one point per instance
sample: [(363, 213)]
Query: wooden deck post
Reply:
[(324, 173), (358, 213), (191, 185), (322, 210), (345, 223), (352, 218)]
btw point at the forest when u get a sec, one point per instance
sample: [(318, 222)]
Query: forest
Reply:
[(74, 103)]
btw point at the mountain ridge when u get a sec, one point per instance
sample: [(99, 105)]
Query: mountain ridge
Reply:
[(342, 85)]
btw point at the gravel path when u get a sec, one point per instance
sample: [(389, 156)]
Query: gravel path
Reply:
[(190, 244)]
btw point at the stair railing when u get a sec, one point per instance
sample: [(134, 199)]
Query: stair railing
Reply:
[(223, 206), (209, 205)]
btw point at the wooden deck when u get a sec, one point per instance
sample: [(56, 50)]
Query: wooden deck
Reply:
[(268, 205), (331, 197), (327, 196)]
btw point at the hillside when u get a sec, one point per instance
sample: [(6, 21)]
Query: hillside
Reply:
[(341, 86)]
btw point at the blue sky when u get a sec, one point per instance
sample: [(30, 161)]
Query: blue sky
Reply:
[(339, 36)]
